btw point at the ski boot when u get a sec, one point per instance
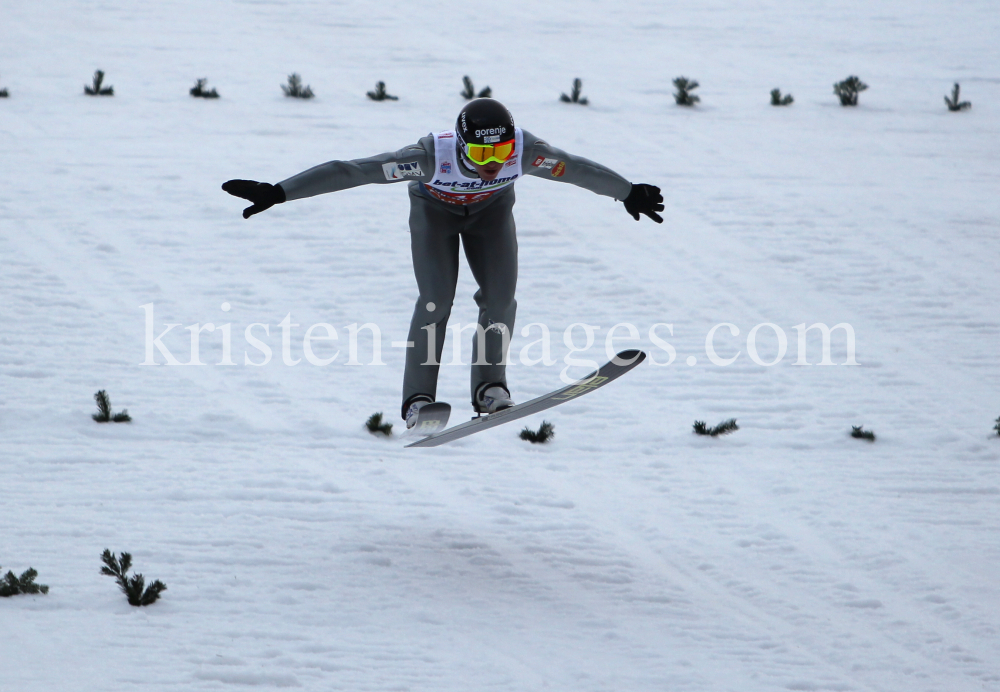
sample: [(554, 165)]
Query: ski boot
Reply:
[(491, 397)]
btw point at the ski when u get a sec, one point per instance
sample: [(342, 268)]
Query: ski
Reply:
[(618, 366), (431, 418)]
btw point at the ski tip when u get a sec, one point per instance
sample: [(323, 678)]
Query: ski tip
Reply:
[(436, 407), (632, 356), (431, 419)]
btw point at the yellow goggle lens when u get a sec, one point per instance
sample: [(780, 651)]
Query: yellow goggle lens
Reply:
[(485, 153)]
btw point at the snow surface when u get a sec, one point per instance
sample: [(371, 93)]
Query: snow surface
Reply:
[(628, 554)]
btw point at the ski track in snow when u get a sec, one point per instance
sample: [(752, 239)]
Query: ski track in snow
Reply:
[(628, 554)]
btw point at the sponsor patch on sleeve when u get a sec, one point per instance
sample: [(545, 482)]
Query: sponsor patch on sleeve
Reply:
[(397, 170), (559, 170), (542, 162)]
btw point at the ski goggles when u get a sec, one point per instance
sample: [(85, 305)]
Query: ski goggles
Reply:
[(485, 153)]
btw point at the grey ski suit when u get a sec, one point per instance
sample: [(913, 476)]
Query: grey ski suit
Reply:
[(487, 233)]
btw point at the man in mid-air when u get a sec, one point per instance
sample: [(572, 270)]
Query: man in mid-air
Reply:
[(461, 186)]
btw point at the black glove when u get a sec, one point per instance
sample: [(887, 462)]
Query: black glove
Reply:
[(644, 199), (263, 195)]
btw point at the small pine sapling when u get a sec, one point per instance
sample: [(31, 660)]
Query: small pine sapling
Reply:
[(380, 94), (953, 103), (11, 585), (546, 431), (294, 88), (376, 426), (778, 100), (97, 88), (3, 93), (574, 96), (997, 427), (198, 90), (723, 428), (134, 587), (469, 92), (685, 86), (860, 433), (848, 90), (104, 414)]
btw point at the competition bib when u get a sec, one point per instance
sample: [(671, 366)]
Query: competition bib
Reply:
[(451, 186)]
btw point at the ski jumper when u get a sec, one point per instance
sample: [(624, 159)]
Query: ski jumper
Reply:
[(448, 202)]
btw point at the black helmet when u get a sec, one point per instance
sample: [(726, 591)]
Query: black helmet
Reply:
[(484, 121)]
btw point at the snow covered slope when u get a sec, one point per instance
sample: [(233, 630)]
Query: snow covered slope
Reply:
[(628, 554)]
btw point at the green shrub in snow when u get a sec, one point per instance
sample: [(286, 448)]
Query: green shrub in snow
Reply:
[(546, 431), (376, 426), (380, 93), (134, 587), (848, 90), (685, 86), (997, 426), (953, 103), (98, 88), (294, 88), (574, 96), (199, 91), (104, 414), (469, 92), (11, 585), (723, 428), (862, 434), (778, 100)]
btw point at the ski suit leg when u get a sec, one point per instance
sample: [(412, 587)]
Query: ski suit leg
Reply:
[(434, 240), (490, 243)]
